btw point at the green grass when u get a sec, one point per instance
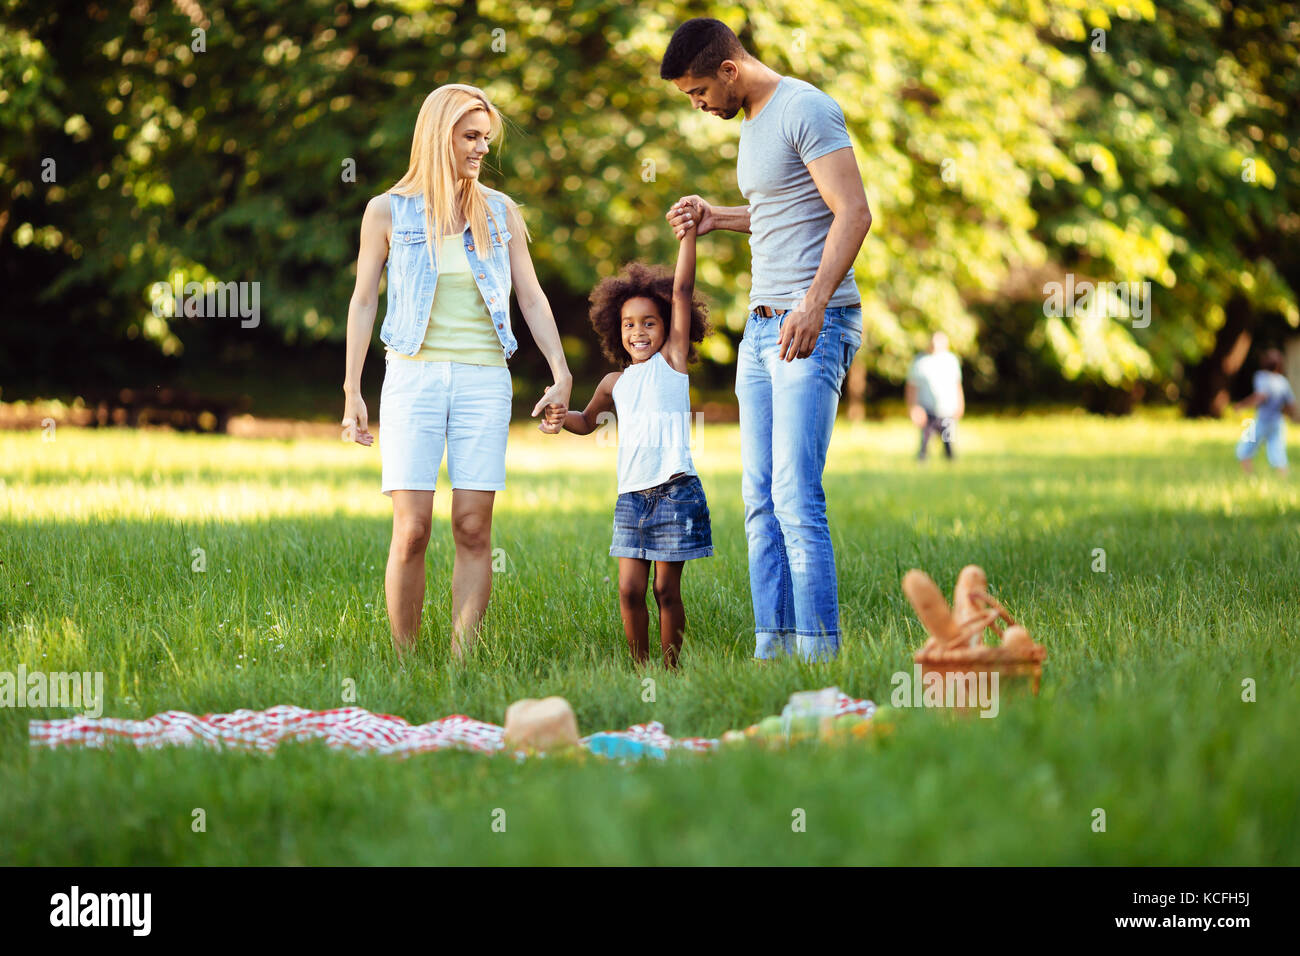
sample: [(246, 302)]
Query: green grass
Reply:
[(1140, 712)]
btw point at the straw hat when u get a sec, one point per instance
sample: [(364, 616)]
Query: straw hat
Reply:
[(546, 724)]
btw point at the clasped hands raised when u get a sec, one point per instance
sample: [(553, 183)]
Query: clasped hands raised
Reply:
[(800, 327)]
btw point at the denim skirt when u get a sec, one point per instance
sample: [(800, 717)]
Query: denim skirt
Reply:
[(669, 522)]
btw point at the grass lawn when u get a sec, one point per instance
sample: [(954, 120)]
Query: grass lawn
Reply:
[(1140, 715)]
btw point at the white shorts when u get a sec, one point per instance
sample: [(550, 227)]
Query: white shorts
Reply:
[(426, 406)]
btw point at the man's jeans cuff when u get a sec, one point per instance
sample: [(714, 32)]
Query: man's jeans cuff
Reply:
[(773, 644), (819, 647), (812, 647)]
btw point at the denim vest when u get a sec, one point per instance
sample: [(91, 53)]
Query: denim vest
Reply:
[(412, 276)]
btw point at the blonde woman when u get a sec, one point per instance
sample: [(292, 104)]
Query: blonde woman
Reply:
[(453, 249)]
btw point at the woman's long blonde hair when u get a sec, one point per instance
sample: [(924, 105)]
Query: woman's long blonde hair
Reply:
[(433, 166)]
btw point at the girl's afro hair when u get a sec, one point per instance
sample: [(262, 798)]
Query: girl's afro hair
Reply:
[(639, 280)]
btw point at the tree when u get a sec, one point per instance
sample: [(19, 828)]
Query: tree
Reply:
[(1185, 130), (999, 149)]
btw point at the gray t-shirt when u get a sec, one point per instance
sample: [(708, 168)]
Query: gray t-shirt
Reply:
[(788, 219)]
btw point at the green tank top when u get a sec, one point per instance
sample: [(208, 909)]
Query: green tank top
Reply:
[(460, 325)]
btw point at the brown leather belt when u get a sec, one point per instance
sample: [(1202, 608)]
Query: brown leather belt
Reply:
[(767, 312)]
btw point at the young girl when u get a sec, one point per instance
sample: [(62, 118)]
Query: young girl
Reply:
[(661, 514)]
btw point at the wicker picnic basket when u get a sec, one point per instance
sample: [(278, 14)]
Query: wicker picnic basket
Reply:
[(956, 644)]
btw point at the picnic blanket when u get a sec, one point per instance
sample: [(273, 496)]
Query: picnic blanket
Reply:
[(347, 728)]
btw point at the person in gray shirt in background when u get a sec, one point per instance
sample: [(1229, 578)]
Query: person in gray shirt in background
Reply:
[(934, 395), (807, 217)]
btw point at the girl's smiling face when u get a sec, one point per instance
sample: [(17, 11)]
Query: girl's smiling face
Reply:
[(643, 328)]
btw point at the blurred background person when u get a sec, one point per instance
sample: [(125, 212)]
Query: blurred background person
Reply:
[(1272, 398), (934, 395)]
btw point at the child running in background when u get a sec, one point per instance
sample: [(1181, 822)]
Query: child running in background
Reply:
[(1271, 398), (648, 322)]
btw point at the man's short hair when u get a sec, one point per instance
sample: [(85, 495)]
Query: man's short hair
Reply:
[(698, 47), (1272, 361)]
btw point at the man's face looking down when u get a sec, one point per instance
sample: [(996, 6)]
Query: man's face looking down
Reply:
[(713, 94)]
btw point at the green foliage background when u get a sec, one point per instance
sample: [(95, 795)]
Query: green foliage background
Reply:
[(1002, 144)]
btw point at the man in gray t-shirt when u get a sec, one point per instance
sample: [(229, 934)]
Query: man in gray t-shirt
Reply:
[(807, 217), (788, 219)]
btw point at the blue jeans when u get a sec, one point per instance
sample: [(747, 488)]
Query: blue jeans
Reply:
[(1270, 430), (787, 410)]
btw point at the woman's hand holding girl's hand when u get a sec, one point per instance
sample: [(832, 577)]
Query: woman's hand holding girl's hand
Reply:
[(553, 419), (552, 422), (555, 403), (356, 423)]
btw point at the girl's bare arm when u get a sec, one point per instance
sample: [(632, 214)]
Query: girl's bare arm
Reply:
[(678, 346), (584, 422)]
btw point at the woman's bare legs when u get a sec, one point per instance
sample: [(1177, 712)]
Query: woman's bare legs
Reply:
[(471, 578), (633, 574), (404, 577)]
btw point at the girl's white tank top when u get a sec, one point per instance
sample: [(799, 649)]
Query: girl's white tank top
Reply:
[(653, 404)]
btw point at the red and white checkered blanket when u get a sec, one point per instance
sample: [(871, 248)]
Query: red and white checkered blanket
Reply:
[(348, 728)]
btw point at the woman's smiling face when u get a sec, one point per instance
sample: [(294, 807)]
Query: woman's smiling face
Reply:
[(470, 141), (644, 331)]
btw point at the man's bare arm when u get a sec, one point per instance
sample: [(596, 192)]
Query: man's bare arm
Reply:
[(840, 184), (734, 218), (837, 178)]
